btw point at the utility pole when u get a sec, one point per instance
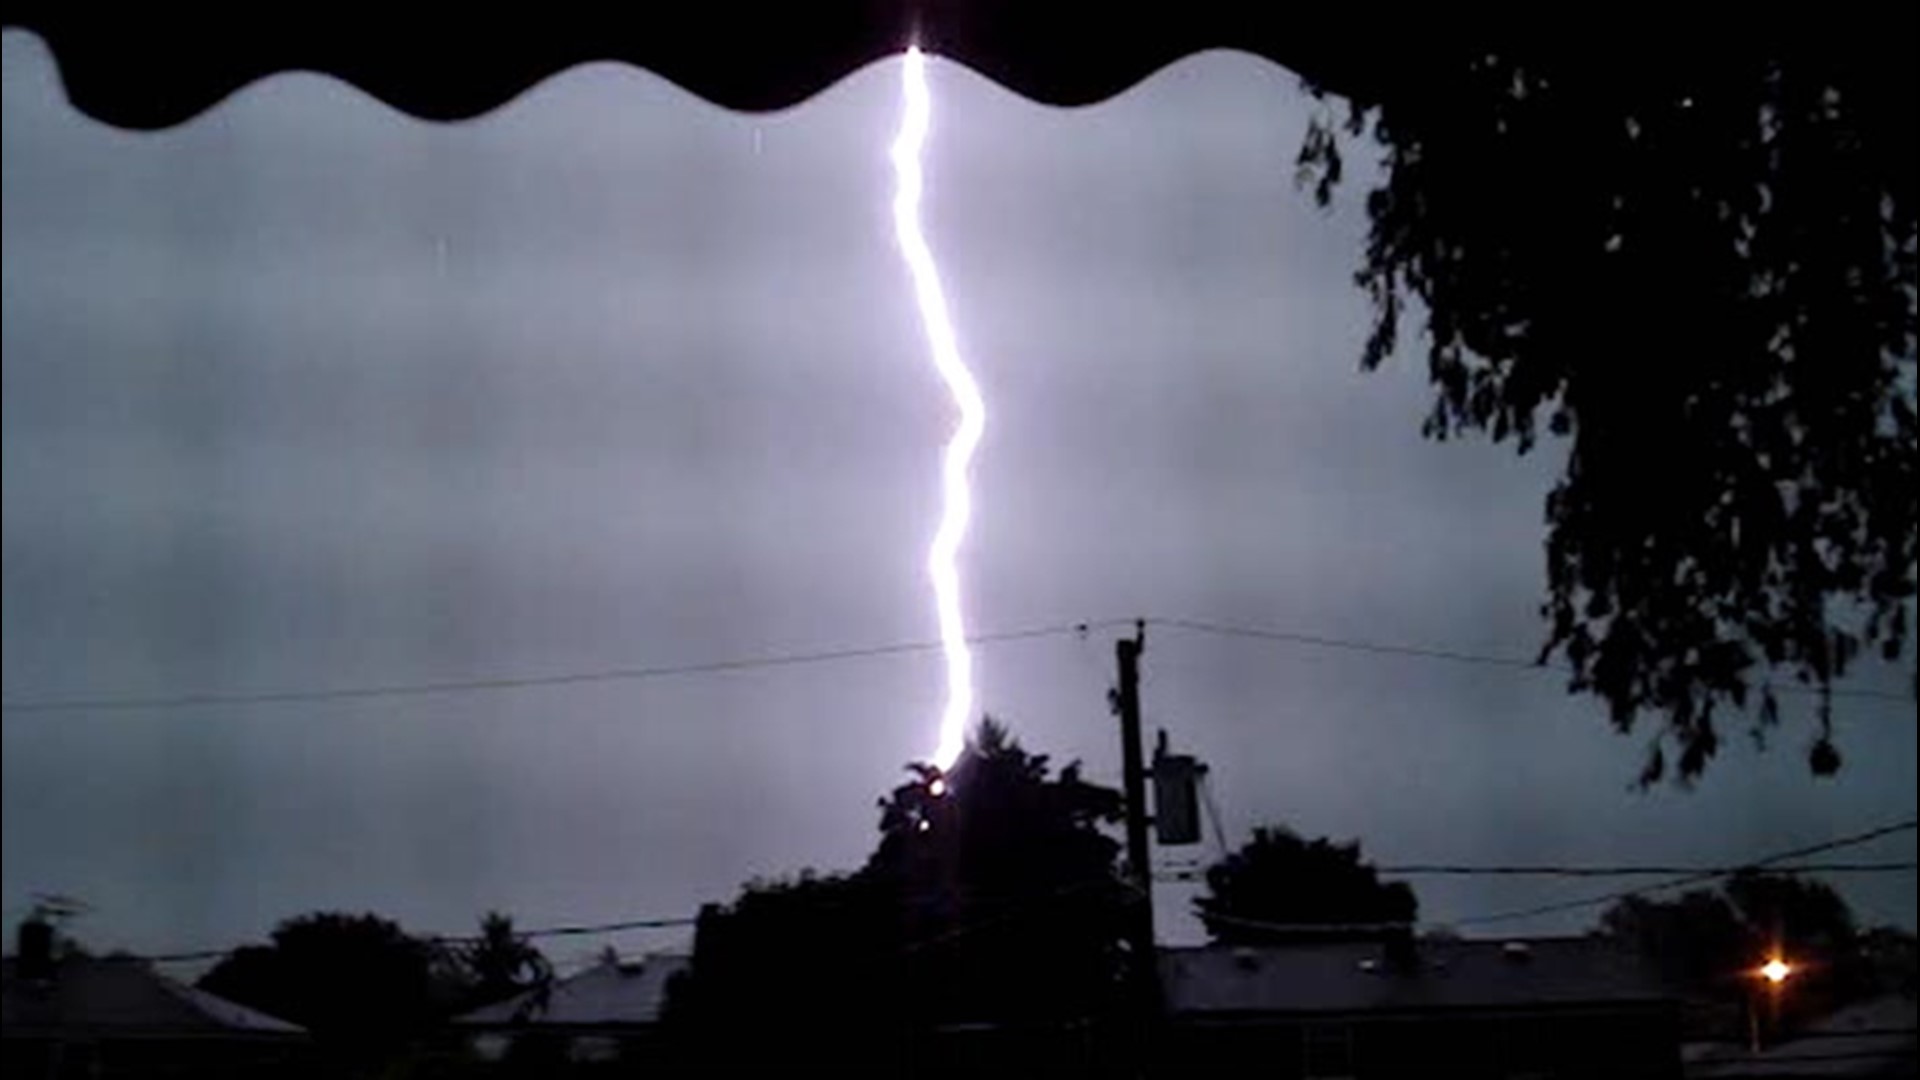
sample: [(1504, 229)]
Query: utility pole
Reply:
[(1126, 702)]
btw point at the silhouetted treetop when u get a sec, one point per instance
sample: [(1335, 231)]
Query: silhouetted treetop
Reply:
[(1710, 942), (1278, 881), (1001, 822), (497, 965), (1699, 267), (352, 980), (990, 896)]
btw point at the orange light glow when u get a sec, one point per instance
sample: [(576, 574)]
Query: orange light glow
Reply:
[(1776, 971)]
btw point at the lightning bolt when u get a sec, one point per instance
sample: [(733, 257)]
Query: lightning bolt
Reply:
[(942, 568)]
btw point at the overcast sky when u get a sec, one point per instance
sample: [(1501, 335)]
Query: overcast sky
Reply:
[(309, 394)]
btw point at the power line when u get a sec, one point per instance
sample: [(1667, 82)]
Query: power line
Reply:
[(571, 930), (1026, 908), (1323, 641), (1692, 876), (1635, 871), (465, 686), (1696, 878), (1189, 873), (589, 928), (739, 664), (1305, 928)]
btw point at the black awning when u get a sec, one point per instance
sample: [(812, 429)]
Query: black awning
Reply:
[(155, 65)]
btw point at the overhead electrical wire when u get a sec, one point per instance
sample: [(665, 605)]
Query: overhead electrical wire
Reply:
[(1323, 641), (466, 686), (1191, 873), (577, 930), (797, 659), (1635, 871), (1694, 876)]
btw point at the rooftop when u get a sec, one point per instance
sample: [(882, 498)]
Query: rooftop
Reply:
[(121, 996), (611, 993), (1347, 977)]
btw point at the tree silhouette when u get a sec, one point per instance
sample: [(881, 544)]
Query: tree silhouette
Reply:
[(1784, 910), (1005, 882), (498, 965), (1892, 959), (800, 969), (1711, 942), (356, 982), (1316, 890), (995, 898), (1700, 268), (1697, 940)]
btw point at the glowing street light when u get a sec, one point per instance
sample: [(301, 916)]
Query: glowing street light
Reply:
[(1776, 971)]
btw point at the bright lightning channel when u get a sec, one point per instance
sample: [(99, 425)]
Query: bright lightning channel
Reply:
[(941, 557)]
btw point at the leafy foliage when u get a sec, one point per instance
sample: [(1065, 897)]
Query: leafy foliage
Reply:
[(1700, 268), (352, 980), (498, 965), (1710, 942), (794, 969), (1006, 884), (1892, 956), (1280, 878), (994, 899), (1697, 939), (363, 985)]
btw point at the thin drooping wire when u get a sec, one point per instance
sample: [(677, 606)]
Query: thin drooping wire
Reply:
[(324, 694), (1696, 878), (1693, 878), (1305, 928), (1634, 871), (577, 930), (1195, 873), (269, 697), (1697, 875), (1323, 641), (652, 924)]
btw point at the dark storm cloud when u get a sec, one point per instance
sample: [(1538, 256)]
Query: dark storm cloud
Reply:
[(308, 394)]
